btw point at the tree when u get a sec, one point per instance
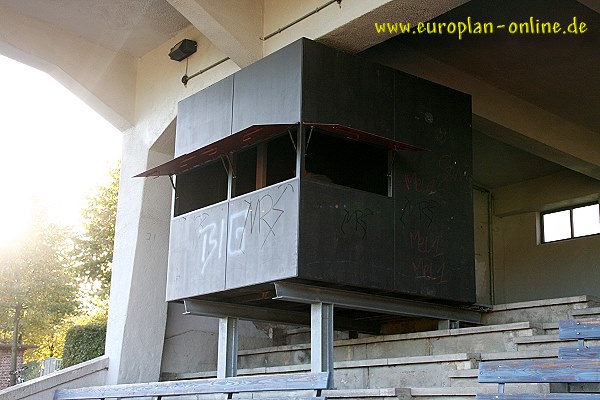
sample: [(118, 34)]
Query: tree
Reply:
[(94, 248), (37, 286)]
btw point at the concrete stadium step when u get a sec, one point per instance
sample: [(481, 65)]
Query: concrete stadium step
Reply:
[(550, 328), (521, 354), (547, 342), (463, 377), (438, 342), (376, 373), (468, 377), (437, 393), (586, 312), (468, 392), (539, 312), (434, 364), (402, 371), (421, 393), (349, 394)]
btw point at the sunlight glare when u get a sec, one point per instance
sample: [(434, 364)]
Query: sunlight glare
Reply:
[(53, 147)]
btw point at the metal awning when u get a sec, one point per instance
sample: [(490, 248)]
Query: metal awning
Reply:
[(257, 133), (362, 136), (237, 141)]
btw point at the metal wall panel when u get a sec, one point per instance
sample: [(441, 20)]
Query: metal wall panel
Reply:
[(339, 88), (346, 236), (263, 239), (419, 242), (433, 192), (268, 91), (197, 252), (204, 117)]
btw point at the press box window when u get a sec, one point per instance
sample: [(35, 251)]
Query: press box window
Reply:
[(570, 223), (200, 187), (268, 163), (346, 162)]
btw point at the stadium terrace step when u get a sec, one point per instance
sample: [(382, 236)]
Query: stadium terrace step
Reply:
[(586, 312), (438, 342), (468, 392), (463, 377), (515, 355), (376, 373), (538, 312), (431, 365), (546, 342)]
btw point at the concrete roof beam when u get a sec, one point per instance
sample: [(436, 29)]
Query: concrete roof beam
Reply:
[(235, 27), (511, 119), (103, 78)]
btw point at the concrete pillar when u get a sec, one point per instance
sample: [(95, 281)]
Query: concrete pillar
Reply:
[(138, 310)]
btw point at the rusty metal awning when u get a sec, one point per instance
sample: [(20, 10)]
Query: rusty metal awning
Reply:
[(362, 136), (237, 141), (257, 133)]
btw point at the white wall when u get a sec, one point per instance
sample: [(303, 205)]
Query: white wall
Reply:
[(524, 269)]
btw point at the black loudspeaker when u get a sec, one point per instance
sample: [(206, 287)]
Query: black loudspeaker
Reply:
[(183, 50)]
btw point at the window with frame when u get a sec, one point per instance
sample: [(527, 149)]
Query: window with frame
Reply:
[(571, 222)]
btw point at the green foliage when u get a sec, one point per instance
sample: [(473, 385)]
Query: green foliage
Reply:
[(94, 248), (84, 342), (45, 276)]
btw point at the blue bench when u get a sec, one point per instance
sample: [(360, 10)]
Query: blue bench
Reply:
[(580, 330), (579, 364)]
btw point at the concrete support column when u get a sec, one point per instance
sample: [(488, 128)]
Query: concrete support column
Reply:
[(138, 310)]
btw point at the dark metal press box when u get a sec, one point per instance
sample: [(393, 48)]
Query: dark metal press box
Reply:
[(319, 167)]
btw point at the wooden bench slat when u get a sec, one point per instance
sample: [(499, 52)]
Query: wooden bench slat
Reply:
[(574, 365), (585, 328), (578, 352), (540, 371), (540, 396), (256, 383)]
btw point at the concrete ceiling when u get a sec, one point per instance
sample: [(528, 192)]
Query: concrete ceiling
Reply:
[(496, 164), (132, 27), (559, 73)]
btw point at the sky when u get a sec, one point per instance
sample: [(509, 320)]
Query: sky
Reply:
[(54, 149)]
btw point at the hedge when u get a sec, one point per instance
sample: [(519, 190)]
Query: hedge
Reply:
[(84, 342)]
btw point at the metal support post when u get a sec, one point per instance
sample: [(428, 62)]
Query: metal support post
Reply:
[(448, 324), (321, 339), (228, 347)]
